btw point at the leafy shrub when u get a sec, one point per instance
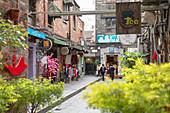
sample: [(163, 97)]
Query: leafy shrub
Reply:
[(128, 59), (146, 90), (96, 62), (16, 95), (11, 36)]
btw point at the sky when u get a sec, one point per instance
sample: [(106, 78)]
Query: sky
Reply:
[(89, 20)]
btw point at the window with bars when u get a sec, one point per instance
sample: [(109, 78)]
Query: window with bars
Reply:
[(111, 25)]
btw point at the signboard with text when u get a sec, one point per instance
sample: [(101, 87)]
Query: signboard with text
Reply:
[(128, 19), (111, 50), (46, 44), (107, 39), (128, 39), (36, 33)]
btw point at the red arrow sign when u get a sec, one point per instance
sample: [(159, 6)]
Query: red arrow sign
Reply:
[(16, 69)]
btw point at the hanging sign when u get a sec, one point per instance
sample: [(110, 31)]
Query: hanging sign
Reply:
[(44, 60), (36, 33), (64, 50), (127, 39), (46, 44), (128, 18)]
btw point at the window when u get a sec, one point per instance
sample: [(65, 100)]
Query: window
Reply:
[(74, 22), (32, 4), (50, 20), (14, 4), (111, 1), (110, 25), (65, 8)]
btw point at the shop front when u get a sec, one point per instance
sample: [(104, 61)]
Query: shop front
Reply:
[(111, 55), (73, 63), (56, 50), (33, 35)]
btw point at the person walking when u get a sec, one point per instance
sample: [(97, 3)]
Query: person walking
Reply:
[(111, 71), (102, 70), (98, 69)]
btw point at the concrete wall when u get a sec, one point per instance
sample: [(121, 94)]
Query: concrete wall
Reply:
[(105, 51)]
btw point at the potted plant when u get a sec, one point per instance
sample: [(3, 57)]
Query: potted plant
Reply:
[(14, 14)]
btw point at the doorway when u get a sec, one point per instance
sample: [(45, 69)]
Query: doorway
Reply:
[(112, 59)]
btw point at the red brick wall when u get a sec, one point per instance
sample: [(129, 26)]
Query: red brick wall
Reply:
[(61, 26), (5, 5)]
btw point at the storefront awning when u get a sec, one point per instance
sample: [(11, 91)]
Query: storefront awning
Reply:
[(56, 41)]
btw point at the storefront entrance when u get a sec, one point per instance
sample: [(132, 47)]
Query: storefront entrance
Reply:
[(112, 59), (90, 67)]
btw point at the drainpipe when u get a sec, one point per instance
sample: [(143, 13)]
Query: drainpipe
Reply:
[(154, 41), (45, 14), (69, 34)]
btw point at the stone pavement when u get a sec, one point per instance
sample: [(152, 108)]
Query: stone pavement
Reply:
[(73, 88)]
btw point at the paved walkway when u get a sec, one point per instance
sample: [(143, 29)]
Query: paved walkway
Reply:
[(81, 83), (74, 87)]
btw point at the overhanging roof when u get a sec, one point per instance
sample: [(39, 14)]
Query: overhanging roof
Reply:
[(153, 2), (56, 41)]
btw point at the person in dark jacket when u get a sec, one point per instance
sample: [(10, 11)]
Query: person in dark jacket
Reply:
[(102, 70), (111, 71)]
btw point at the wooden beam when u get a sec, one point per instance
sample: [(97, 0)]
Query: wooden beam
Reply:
[(64, 13)]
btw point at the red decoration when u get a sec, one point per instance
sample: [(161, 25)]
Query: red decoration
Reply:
[(16, 69), (6, 59), (115, 76), (155, 56)]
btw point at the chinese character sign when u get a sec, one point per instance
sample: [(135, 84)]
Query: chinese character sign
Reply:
[(128, 18), (46, 43), (107, 39)]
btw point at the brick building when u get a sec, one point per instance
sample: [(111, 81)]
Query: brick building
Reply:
[(63, 31), (106, 38)]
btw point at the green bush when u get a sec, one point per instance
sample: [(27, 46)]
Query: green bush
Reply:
[(146, 90), (16, 95), (128, 59), (11, 36)]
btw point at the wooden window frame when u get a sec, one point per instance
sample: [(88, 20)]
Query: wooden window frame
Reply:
[(112, 27)]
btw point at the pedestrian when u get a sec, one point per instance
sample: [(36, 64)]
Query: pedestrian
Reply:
[(98, 69), (102, 70), (111, 71)]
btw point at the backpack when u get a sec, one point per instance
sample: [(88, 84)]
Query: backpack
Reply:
[(103, 69)]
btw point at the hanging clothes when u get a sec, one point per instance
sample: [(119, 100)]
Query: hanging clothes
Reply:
[(74, 72), (74, 59), (71, 72), (66, 70), (68, 59), (155, 56)]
